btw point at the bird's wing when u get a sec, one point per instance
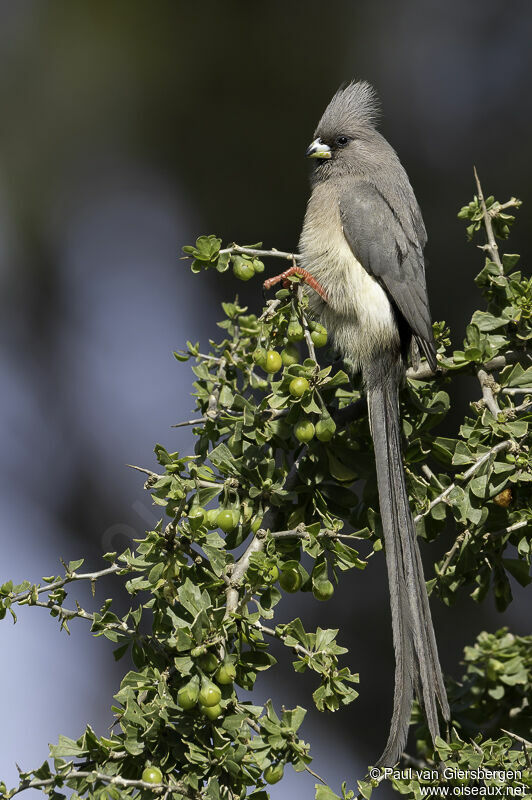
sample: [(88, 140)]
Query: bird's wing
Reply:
[(379, 242)]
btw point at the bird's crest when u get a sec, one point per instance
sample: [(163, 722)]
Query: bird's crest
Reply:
[(353, 106)]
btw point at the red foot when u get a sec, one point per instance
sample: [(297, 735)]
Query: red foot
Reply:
[(306, 276)]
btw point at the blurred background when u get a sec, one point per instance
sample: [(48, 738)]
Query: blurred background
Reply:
[(126, 130)]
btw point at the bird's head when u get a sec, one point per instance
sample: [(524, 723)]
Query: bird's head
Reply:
[(346, 140)]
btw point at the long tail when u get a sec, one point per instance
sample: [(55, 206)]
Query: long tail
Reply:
[(417, 663)]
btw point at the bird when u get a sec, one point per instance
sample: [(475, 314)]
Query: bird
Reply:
[(361, 258)]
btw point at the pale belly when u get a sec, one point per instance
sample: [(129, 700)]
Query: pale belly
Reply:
[(358, 315)]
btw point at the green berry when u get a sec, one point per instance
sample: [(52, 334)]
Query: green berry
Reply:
[(227, 520), (295, 331), (210, 694), (290, 355), (325, 429), (318, 334), (304, 430), (323, 590), (273, 773), (225, 674), (259, 357), (298, 387), (212, 517), (187, 696), (258, 266), (212, 712), (273, 362), (208, 662), (198, 514), (290, 580), (243, 269), (152, 775)]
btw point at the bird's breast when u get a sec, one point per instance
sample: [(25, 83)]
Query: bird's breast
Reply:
[(358, 313)]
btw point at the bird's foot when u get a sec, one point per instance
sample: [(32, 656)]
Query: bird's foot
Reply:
[(305, 276)]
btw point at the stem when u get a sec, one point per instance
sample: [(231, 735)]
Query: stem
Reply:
[(508, 444), (492, 244), (252, 251), (488, 384), (74, 576)]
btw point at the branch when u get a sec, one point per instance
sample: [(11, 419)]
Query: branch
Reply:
[(508, 444), (73, 576), (492, 244), (308, 338), (156, 788), (518, 390), (298, 648), (424, 372), (488, 384), (252, 251), (301, 533)]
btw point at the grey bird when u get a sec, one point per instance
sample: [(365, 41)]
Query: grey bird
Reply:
[(362, 251)]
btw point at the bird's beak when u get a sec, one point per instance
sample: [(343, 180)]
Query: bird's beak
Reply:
[(318, 149)]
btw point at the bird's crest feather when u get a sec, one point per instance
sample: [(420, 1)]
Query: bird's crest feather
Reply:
[(354, 105)]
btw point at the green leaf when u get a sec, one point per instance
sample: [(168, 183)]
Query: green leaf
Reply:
[(324, 793), (519, 569)]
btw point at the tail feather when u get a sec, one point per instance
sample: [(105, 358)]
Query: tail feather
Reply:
[(417, 661)]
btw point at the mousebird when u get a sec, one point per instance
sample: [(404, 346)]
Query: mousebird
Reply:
[(361, 256)]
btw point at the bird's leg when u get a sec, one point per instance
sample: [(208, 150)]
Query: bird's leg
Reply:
[(303, 274)]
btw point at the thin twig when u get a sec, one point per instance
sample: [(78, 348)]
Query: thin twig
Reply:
[(252, 251), (458, 541), (197, 421), (509, 529), (276, 635), (508, 444), (308, 338), (518, 390), (424, 372), (492, 244), (73, 576)]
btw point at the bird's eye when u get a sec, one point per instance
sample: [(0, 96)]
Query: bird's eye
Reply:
[(341, 141)]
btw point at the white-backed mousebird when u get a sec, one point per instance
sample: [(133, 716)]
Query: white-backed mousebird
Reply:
[(362, 259)]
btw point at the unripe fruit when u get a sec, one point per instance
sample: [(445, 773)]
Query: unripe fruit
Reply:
[(273, 773), (298, 387), (290, 580), (273, 362), (304, 430), (290, 355), (323, 590), (197, 513), (242, 269), (227, 520), (318, 335), (210, 694), (295, 331), (226, 673), (212, 517), (258, 265), (187, 696), (325, 429), (212, 712), (152, 775), (208, 662), (259, 357)]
